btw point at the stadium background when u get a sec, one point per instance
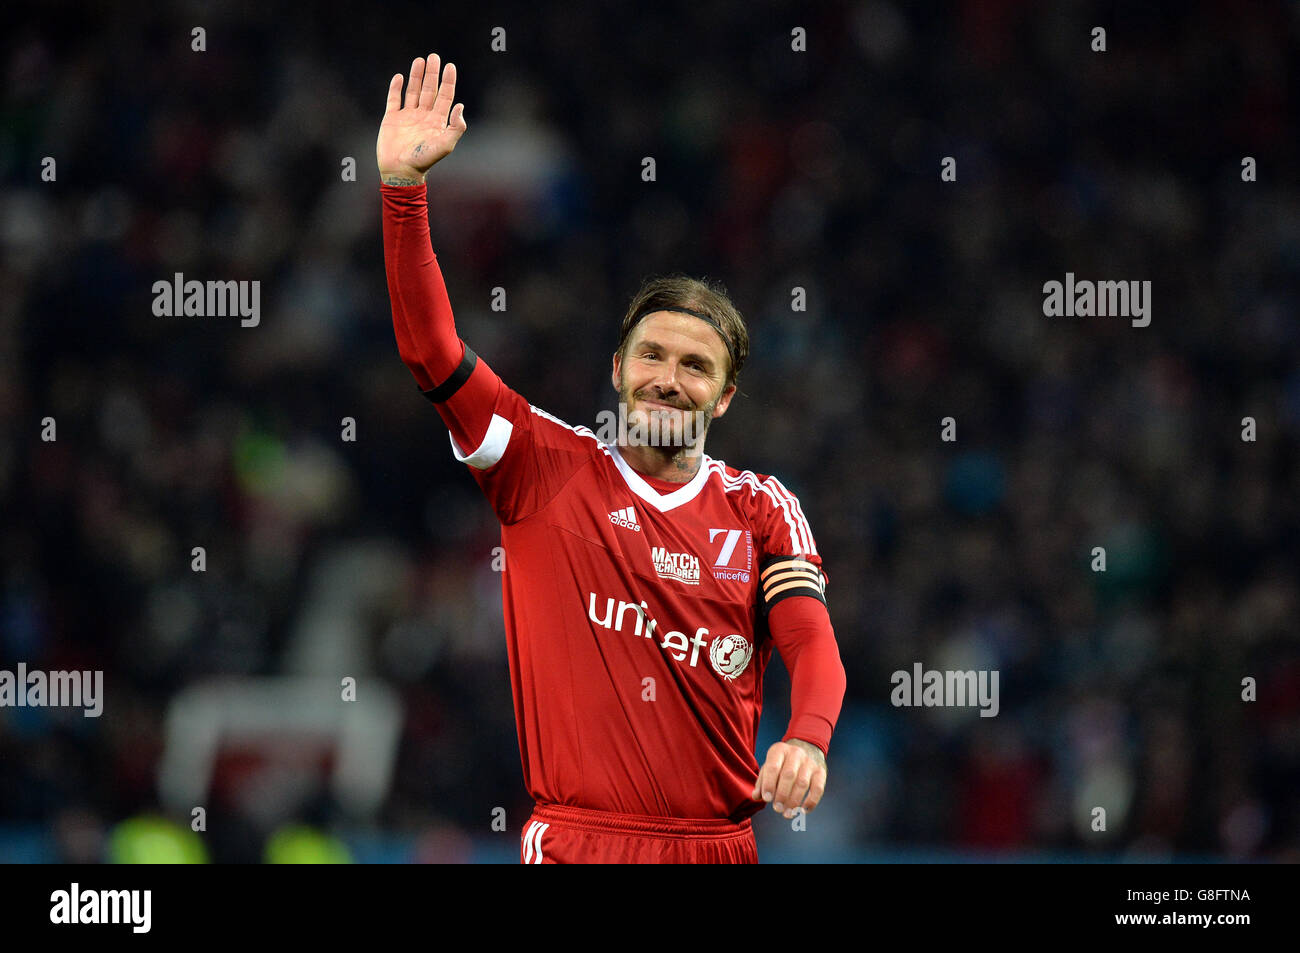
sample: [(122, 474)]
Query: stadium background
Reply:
[(775, 170)]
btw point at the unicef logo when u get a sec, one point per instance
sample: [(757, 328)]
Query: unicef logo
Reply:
[(729, 655)]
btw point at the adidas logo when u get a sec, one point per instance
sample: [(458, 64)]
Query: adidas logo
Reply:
[(626, 518)]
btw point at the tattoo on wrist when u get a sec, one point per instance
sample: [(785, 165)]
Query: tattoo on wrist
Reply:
[(400, 180)]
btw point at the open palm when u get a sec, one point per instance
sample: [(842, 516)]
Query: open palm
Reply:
[(414, 136)]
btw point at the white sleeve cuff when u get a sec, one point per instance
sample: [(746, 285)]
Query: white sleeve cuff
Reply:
[(491, 449)]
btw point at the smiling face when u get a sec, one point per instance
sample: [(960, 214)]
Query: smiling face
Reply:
[(673, 365)]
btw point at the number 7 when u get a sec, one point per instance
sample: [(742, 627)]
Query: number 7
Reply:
[(728, 546)]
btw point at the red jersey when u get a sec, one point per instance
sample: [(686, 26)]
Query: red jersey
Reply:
[(633, 617), (636, 620)]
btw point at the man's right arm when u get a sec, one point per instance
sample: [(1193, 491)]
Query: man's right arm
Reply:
[(484, 416), (413, 136), (423, 323)]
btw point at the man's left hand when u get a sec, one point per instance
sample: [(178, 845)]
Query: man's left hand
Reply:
[(793, 776)]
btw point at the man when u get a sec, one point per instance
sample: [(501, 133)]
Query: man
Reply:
[(645, 583)]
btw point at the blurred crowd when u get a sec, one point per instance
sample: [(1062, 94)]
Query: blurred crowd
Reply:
[(775, 170)]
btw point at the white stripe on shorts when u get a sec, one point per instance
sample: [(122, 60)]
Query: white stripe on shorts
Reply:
[(528, 843), (541, 829)]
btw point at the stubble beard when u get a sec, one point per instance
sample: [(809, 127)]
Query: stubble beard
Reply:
[(671, 443)]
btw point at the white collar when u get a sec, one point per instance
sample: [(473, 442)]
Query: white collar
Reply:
[(663, 502)]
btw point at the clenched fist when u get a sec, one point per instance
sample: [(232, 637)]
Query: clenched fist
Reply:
[(793, 776)]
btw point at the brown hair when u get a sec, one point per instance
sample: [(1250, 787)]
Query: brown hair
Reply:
[(708, 297)]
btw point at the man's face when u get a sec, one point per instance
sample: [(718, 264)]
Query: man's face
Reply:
[(674, 365)]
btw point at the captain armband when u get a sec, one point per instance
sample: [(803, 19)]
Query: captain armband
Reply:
[(781, 577)]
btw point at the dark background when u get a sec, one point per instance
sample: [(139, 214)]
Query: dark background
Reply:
[(775, 170)]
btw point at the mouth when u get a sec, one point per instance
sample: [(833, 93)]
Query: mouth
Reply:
[(659, 405)]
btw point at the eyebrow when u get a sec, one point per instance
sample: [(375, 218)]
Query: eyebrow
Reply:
[(702, 358)]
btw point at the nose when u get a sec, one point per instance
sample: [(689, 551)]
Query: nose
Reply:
[(667, 380)]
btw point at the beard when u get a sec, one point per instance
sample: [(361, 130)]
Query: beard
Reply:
[(677, 430)]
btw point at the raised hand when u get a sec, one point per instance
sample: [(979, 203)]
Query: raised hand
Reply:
[(412, 137)]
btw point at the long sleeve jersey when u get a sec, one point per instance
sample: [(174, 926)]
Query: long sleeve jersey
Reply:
[(639, 614)]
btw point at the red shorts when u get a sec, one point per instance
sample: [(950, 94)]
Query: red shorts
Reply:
[(556, 834)]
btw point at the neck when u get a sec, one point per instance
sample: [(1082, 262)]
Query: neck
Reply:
[(675, 465)]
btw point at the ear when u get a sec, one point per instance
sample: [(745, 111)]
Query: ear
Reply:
[(618, 363), (724, 401)]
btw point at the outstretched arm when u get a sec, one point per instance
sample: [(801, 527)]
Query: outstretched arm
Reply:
[(412, 137), (484, 417)]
